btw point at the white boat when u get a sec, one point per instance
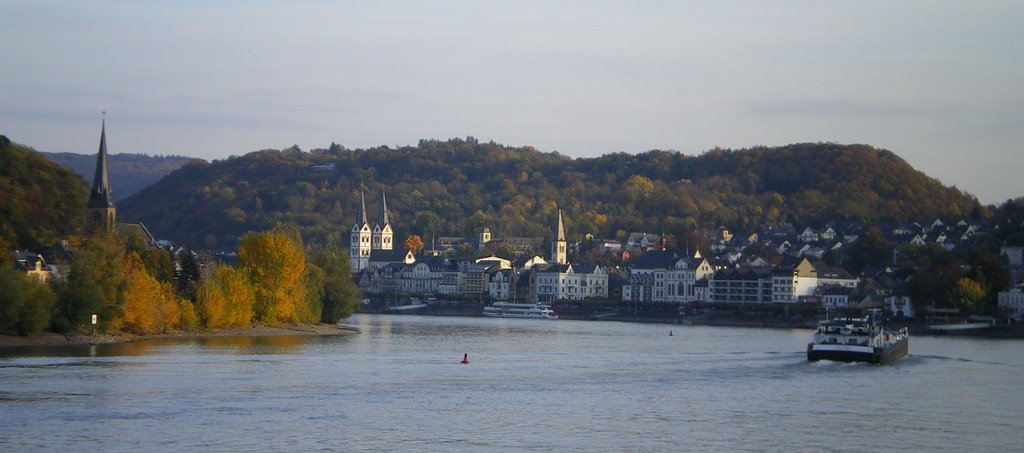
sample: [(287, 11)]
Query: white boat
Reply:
[(857, 340), (511, 310)]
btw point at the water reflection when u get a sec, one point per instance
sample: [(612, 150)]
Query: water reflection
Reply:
[(284, 344)]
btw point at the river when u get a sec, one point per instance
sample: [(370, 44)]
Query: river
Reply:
[(530, 385)]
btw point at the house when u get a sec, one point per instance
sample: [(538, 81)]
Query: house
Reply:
[(643, 242), (33, 265), (809, 236), (1011, 303)]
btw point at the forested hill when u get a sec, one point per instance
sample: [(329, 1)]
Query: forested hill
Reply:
[(456, 187), (40, 202), (129, 173)]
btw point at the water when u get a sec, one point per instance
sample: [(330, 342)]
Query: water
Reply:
[(531, 385)]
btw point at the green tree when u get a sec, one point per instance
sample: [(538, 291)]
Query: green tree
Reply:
[(871, 248), (340, 294), (93, 286), (25, 303)]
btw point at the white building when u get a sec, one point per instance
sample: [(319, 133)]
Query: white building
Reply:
[(662, 276), (1012, 303)]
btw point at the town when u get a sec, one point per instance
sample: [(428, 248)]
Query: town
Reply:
[(451, 268), (775, 271)]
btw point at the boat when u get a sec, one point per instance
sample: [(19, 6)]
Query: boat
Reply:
[(406, 306), (513, 310), (858, 340), (971, 325)]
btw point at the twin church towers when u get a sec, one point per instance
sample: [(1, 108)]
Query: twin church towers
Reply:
[(365, 240)]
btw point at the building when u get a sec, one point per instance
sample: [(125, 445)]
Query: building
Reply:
[(662, 276), (559, 247), (360, 239), (33, 265), (1011, 303), (789, 286), (364, 241), (560, 280), (100, 210), (744, 285)]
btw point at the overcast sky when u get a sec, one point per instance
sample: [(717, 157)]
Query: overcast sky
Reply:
[(940, 83)]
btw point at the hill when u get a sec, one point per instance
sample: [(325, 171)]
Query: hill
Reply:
[(129, 173), (41, 202), (457, 186)]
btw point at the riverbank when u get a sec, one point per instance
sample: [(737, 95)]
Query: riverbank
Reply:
[(57, 339)]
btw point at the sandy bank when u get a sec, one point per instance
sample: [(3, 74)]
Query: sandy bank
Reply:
[(50, 338)]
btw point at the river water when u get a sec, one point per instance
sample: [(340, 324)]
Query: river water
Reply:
[(530, 385)]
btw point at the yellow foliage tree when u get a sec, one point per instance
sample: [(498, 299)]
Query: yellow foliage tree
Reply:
[(225, 299), (276, 263), (149, 306)]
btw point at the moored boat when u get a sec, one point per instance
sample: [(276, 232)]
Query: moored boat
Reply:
[(512, 310), (858, 340)]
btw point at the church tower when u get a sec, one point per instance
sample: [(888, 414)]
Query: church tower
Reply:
[(383, 235), (359, 245), (484, 238), (559, 248), (100, 210)]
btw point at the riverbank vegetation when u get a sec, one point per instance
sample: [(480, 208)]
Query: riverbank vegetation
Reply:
[(131, 287)]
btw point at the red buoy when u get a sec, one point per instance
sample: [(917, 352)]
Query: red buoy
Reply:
[(670, 333), (465, 359)]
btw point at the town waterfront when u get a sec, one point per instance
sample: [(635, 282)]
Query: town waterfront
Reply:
[(531, 385)]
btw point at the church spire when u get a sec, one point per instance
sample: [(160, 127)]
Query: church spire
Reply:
[(101, 196), (559, 248), (100, 207), (361, 218), (560, 235), (382, 216)]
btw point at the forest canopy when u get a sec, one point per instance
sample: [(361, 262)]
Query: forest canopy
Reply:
[(457, 187)]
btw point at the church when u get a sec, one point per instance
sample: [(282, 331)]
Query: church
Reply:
[(374, 248), (101, 213)]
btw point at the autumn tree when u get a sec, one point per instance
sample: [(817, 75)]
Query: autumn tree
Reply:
[(149, 306), (414, 243), (275, 262), (968, 295), (225, 298)]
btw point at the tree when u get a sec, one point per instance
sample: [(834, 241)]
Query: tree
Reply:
[(189, 274), (225, 298), (340, 295), (968, 295), (93, 286), (414, 243), (25, 303), (871, 248), (275, 262), (150, 306)]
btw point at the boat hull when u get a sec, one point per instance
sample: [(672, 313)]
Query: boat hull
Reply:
[(506, 310), (844, 353), (518, 315)]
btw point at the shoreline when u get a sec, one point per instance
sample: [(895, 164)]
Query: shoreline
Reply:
[(58, 339)]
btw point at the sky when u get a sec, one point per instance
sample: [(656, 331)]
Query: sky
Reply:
[(937, 82)]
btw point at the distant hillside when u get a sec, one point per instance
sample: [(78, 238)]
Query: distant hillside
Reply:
[(456, 187), (129, 173), (41, 202)]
